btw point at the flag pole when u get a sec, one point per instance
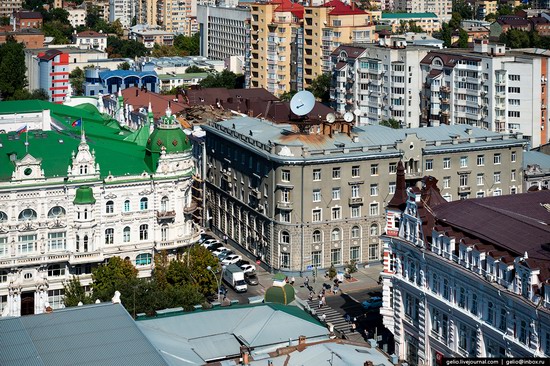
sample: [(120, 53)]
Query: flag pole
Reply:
[(26, 138)]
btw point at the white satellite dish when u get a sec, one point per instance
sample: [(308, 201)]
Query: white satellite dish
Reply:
[(357, 112), (331, 117), (348, 116), (302, 103)]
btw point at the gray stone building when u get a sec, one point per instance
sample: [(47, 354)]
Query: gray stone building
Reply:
[(308, 194)]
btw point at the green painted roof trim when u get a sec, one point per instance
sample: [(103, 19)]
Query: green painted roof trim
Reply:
[(84, 196)]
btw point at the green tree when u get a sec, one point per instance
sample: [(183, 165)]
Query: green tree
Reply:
[(200, 259), (60, 32), (58, 14), (320, 87), (462, 38), (123, 66), (189, 45), (75, 293), (287, 96), (166, 51), (24, 94), (516, 38), (392, 123), (331, 272), (413, 27), (12, 68), (194, 69), (4, 21), (463, 9), (76, 78), (117, 47), (115, 275), (224, 79), (37, 5)]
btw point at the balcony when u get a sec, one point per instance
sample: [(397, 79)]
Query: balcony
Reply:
[(464, 189), (284, 205), (445, 89), (193, 206), (166, 215), (86, 257), (355, 201)]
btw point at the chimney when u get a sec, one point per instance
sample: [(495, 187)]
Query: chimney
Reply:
[(137, 92), (244, 355)]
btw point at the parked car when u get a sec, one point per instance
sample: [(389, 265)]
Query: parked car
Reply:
[(204, 238), (224, 254), (214, 246), (231, 259), (251, 279), (372, 303), (248, 268), (220, 250), (210, 241)]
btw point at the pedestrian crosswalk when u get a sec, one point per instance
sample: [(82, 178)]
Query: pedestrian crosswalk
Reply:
[(331, 316)]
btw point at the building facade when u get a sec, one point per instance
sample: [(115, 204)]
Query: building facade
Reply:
[(54, 74), (466, 278), (7, 7), (112, 81), (151, 37), (147, 12), (401, 22), (77, 17), (486, 88), (178, 16), (223, 30), (442, 8), (57, 221), (305, 196), (123, 10), (91, 39)]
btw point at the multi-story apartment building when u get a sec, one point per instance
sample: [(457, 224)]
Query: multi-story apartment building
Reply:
[(77, 17), (223, 30), (104, 192), (401, 22), (53, 74), (150, 37), (123, 10), (466, 278), (8, 7), (90, 39), (308, 195), (380, 80), (275, 28), (326, 27), (489, 87), (442, 8), (147, 12), (178, 16)]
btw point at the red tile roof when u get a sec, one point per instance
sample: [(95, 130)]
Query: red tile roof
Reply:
[(343, 9), (138, 98), (288, 6), (90, 33)]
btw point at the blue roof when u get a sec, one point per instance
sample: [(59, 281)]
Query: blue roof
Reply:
[(102, 334), (125, 73), (536, 157)]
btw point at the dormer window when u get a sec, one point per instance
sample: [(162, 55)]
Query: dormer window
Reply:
[(83, 169)]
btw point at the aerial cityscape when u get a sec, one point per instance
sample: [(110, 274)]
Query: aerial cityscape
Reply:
[(274, 182)]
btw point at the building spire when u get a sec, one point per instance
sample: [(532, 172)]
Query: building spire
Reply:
[(399, 198)]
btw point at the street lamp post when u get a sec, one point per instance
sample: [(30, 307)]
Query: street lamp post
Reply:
[(219, 282)]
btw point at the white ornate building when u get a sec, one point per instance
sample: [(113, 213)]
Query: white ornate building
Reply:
[(467, 278), (71, 199)]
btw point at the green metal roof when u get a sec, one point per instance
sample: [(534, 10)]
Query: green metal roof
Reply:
[(280, 295), (406, 16), (84, 196)]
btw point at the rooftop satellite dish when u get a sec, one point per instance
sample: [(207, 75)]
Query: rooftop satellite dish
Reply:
[(331, 117), (348, 117), (302, 103), (357, 112)]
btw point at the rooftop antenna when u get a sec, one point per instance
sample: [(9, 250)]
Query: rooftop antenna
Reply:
[(331, 117), (348, 117), (302, 103)]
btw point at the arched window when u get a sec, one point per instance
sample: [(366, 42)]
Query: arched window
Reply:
[(109, 236), (56, 211), (3, 216), (355, 232), (143, 259), (126, 234), (56, 270), (127, 206), (109, 207), (317, 236), (83, 169), (374, 231), (164, 204), (285, 237), (85, 243), (85, 214), (27, 214), (77, 242), (143, 232), (335, 235), (143, 203)]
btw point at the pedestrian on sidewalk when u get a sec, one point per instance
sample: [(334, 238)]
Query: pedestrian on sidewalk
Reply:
[(320, 303), (323, 317), (292, 280), (306, 282), (225, 239), (311, 293), (324, 300)]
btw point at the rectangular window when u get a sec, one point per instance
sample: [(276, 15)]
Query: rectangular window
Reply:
[(430, 164), (479, 180), (355, 171), (355, 212), (480, 160), (285, 175), (316, 259), (55, 298), (355, 193), (335, 173), (317, 195), (374, 189), (374, 169), (513, 175), (446, 163), (56, 241), (463, 180), (393, 168), (336, 193), (496, 177), (513, 156), (373, 251), (285, 195), (336, 213), (27, 243), (446, 182), (285, 260), (354, 253), (3, 246), (373, 209), (316, 174), (496, 159), (316, 215), (336, 256), (463, 161), (391, 188), (285, 216)]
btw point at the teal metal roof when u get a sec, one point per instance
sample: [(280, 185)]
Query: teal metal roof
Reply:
[(538, 158), (102, 334)]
